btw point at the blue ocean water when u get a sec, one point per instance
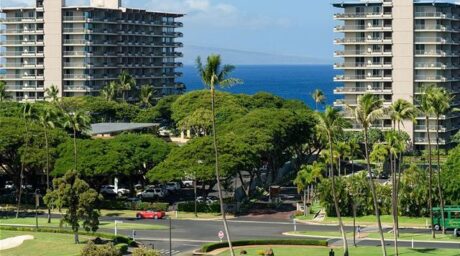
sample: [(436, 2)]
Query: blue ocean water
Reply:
[(290, 82)]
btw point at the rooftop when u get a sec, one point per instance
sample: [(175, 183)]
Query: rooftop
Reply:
[(110, 128)]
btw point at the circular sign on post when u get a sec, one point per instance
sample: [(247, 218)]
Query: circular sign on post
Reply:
[(221, 235)]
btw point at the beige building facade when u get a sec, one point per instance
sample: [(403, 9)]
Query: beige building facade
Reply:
[(80, 49), (393, 49)]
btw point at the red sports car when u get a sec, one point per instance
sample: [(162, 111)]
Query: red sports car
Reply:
[(151, 214)]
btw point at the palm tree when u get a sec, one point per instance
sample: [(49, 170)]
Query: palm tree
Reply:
[(52, 93), (331, 123), (126, 83), (318, 97), (26, 115), (354, 147), (425, 106), (47, 118), (400, 111), (307, 175), (3, 93), (368, 110), (343, 151), (78, 122), (214, 74), (145, 96), (441, 101), (395, 144), (109, 92)]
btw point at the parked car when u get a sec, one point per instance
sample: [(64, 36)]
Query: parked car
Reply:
[(9, 185), (110, 190), (151, 193), (151, 214), (208, 200), (187, 183), (172, 186)]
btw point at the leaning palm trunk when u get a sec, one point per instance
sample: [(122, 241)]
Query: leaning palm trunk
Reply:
[(75, 148), (393, 200), (219, 188), (374, 194), (398, 181), (430, 178), (441, 199), (336, 203), (21, 180)]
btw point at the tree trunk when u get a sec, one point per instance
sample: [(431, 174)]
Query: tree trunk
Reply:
[(48, 187), (398, 181), (393, 201), (374, 194), (75, 148), (219, 188), (75, 236), (21, 183), (430, 178), (336, 203), (441, 198)]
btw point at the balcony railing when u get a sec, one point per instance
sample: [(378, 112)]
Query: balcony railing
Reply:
[(351, 52), (21, 19), (361, 77), (436, 40), (440, 15), (441, 128), (361, 27), (341, 90), (362, 65), (349, 40), (430, 65), (362, 15), (435, 53)]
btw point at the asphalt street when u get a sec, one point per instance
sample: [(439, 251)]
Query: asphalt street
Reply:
[(188, 235)]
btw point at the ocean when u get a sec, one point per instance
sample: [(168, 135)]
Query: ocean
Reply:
[(287, 81)]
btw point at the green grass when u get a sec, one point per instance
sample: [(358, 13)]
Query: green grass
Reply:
[(371, 220), (180, 215), (42, 222), (44, 244), (359, 251), (375, 235)]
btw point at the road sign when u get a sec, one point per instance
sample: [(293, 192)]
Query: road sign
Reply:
[(221, 235)]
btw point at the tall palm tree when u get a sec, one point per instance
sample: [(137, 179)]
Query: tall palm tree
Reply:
[(52, 93), (425, 106), (318, 97), (354, 147), (331, 123), (109, 92), (368, 110), (47, 118), (26, 115), (145, 96), (343, 151), (3, 93), (399, 111), (213, 74), (395, 144), (441, 101), (126, 83), (78, 122)]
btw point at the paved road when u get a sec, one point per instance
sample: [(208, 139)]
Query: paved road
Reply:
[(188, 235)]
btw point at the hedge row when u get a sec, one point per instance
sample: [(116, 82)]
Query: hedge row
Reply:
[(116, 239), (214, 246), (136, 206), (201, 207)]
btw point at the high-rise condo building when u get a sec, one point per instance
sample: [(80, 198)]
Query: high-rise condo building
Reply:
[(393, 49), (79, 49)]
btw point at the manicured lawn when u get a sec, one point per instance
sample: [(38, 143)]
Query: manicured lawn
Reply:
[(375, 235), (359, 251), (44, 244), (42, 222), (371, 220)]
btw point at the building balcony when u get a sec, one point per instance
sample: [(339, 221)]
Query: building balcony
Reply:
[(351, 53), (435, 78), (435, 28), (12, 20), (358, 127), (16, 87), (433, 141), (361, 90), (362, 78), (19, 54), (20, 31), (434, 65), (8, 77), (435, 53), (20, 43), (353, 102), (358, 28), (76, 88), (435, 40), (368, 15), (364, 65), (432, 128), (21, 66), (358, 40), (435, 15)]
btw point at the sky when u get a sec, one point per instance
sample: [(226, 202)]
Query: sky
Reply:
[(276, 28)]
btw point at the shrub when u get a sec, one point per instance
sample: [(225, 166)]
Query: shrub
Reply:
[(91, 249), (122, 248), (261, 253), (201, 207), (140, 206), (215, 246), (144, 251), (146, 206)]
